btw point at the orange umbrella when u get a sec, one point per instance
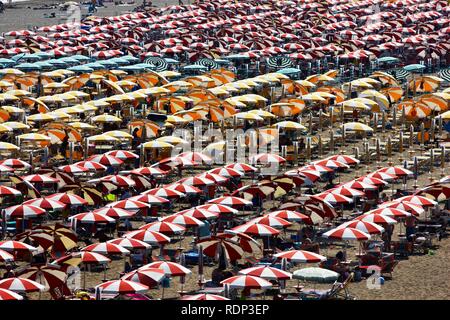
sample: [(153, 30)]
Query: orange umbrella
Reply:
[(4, 115), (340, 95), (292, 87), (434, 102), (425, 84), (32, 103), (151, 128), (414, 109), (200, 95), (176, 104), (394, 93), (284, 109)]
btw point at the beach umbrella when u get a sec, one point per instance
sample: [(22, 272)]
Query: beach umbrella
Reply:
[(196, 157), (106, 160), (165, 192), (8, 191), (419, 200), (346, 191), (106, 248), (316, 275), (91, 165), (121, 287), (359, 185), (150, 199), (46, 203), (203, 296), (382, 176), (219, 208), (117, 180), (148, 236), (266, 158), (15, 163), (48, 275), (333, 198), (271, 221), (376, 218), (91, 257), (183, 188), (68, 199), (346, 233), (404, 205), (348, 160), (242, 167), (196, 181), (266, 272), (115, 213), (230, 201), (130, 243), (149, 171), (36, 237), (170, 268), (164, 227), (129, 204), (372, 180), (364, 226), (290, 215), (73, 169), (23, 211), (9, 295), (215, 178), (390, 212), (300, 256), (90, 217), (149, 276), (21, 285), (39, 178), (122, 154), (12, 246), (247, 282), (183, 220), (396, 171), (333, 164), (198, 213), (256, 229)]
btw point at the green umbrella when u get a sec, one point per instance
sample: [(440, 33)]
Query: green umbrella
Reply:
[(57, 62), (388, 59), (45, 65), (95, 65), (28, 67), (414, 67), (131, 58), (80, 57), (81, 68), (289, 71), (44, 54), (119, 61), (314, 274), (108, 64), (27, 56), (70, 60)]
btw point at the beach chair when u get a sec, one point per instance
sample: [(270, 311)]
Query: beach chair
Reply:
[(387, 267)]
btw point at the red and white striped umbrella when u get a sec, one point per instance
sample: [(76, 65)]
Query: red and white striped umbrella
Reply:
[(332, 198), (150, 199), (364, 226), (39, 178), (129, 204), (165, 193), (91, 165), (231, 201), (118, 180), (8, 191), (122, 287), (359, 185), (106, 160), (46, 203), (183, 188), (376, 218), (347, 192), (290, 215), (23, 211), (149, 171), (318, 168), (346, 234), (333, 164), (247, 282), (198, 213), (266, 158), (9, 295), (219, 208), (274, 222), (91, 217), (183, 220), (419, 200), (226, 172), (11, 246), (213, 177), (67, 198), (122, 154), (203, 296), (256, 229), (382, 176), (5, 256), (4, 168), (149, 276), (195, 157), (267, 272), (196, 181), (106, 248), (348, 160), (397, 171), (91, 257), (115, 213), (170, 268), (415, 209), (242, 167), (374, 181), (390, 212), (148, 236), (73, 168), (164, 227), (300, 256), (130, 243), (21, 285)]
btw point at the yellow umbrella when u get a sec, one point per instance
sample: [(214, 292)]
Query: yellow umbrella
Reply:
[(15, 125), (306, 83), (126, 83), (356, 126), (5, 84), (443, 95), (4, 128), (136, 95), (169, 74), (284, 109), (155, 90), (313, 97), (119, 134), (81, 125), (118, 72), (394, 93), (218, 91), (34, 137), (172, 140), (71, 110), (67, 96), (103, 138), (12, 71), (248, 116), (290, 125), (77, 94), (379, 98), (51, 99), (96, 103), (157, 145), (56, 85), (354, 104), (11, 109), (106, 118), (263, 114), (445, 115), (384, 78), (319, 77), (175, 120), (177, 85), (59, 115), (5, 146), (41, 117)]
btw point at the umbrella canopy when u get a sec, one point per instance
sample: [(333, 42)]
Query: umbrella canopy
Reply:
[(149, 276), (266, 272), (170, 268), (122, 287), (364, 226), (21, 285), (148, 236), (256, 229), (203, 296), (316, 275), (300, 256), (346, 233), (106, 248), (164, 227), (130, 243), (247, 282), (9, 295)]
